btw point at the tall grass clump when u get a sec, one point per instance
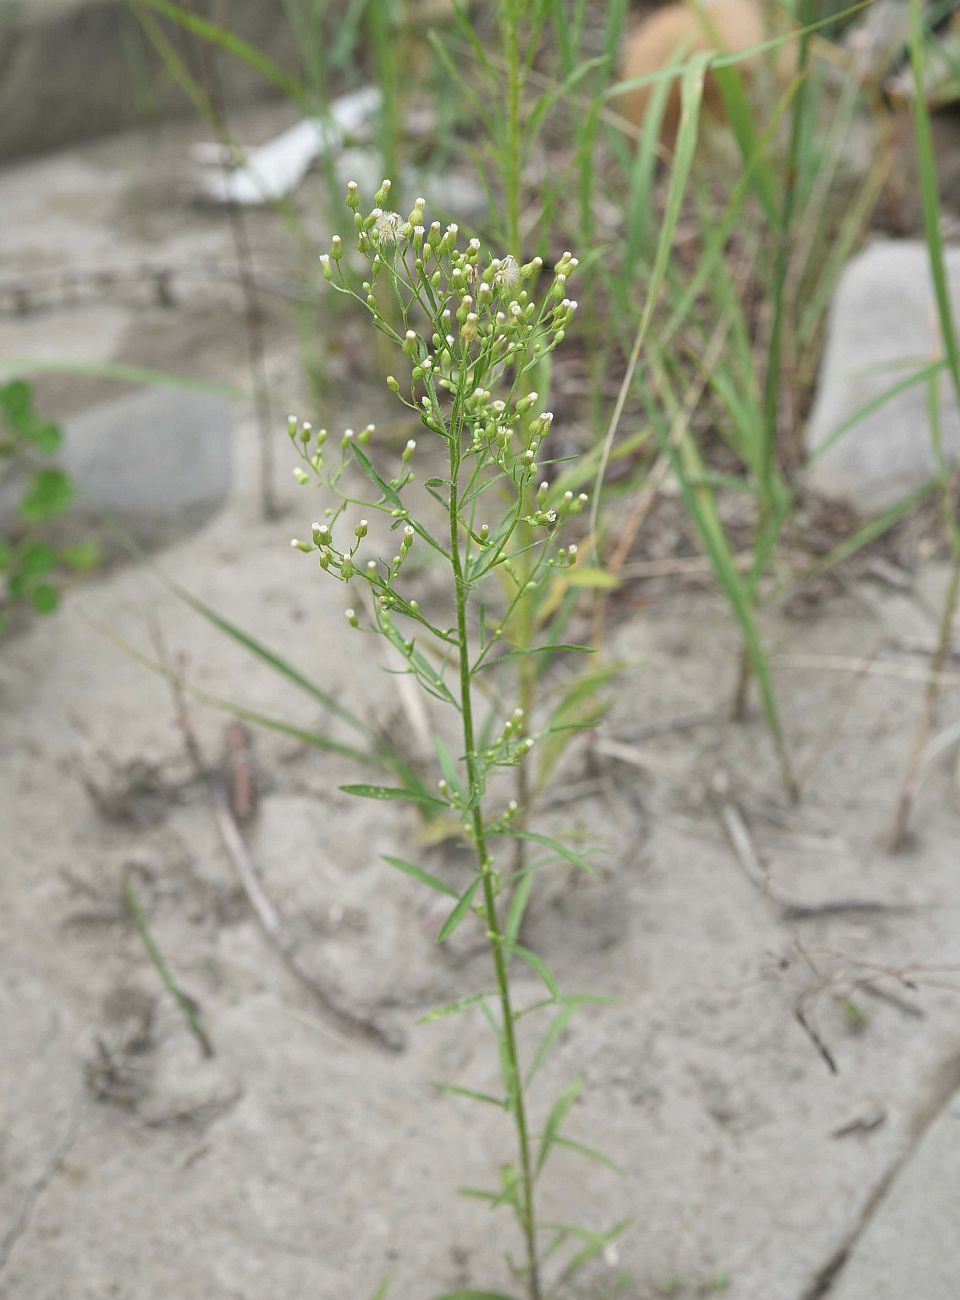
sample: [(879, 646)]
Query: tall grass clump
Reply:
[(950, 346), (469, 330)]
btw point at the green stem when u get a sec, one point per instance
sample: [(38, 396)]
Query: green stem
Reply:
[(514, 129), (494, 932), (774, 375)]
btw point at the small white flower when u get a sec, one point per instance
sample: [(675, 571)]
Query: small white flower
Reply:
[(388, 226), (507, 275)]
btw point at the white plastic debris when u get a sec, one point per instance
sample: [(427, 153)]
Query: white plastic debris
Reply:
[(272, 170)]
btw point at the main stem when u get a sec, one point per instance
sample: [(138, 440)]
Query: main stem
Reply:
[(487, 880)]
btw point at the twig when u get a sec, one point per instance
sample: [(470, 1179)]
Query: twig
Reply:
[(740, 839), (242, 780), (817, 1041), (892, 1000)]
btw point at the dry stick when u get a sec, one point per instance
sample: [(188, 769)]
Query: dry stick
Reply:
[(901, 821), (350, 1018), (741, 842)]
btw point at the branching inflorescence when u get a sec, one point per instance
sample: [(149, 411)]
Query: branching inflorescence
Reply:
[(472, 330)]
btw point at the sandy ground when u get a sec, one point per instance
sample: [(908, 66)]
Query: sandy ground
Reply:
[(303, 1159)]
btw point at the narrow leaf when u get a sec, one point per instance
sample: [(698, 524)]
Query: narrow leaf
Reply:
[(455, 1091), (389, 792), (518, 905), (560, 849), (591, 1153), (453, 1008), (558, 1113), (537, 964), (418, 873), (459, 912)]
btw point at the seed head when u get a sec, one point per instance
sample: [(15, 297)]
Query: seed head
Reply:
[(387, 226)]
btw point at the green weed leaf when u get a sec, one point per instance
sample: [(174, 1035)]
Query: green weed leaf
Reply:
[(459, 912), (389, 792), (418, 873), (49, 494), (453, 1008)]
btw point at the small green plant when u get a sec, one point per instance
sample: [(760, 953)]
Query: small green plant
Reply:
[(29, 562), (469, 330)]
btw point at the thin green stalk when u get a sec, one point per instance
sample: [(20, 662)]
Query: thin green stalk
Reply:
[(774, 375), (513, 134), (494, 932)]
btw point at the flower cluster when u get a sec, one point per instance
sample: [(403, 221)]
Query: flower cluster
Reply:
[(473, 333)]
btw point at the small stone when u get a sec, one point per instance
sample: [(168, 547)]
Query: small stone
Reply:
[(883, 327)]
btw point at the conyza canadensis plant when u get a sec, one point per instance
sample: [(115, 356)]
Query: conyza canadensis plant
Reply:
[(468, 330)]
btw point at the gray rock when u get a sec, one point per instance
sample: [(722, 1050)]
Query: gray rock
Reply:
[(883, 326), (911, 1248), (156, 461)]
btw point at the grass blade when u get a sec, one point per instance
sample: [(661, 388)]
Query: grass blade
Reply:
[(691, 97), (231, 43), (185, 1004)]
